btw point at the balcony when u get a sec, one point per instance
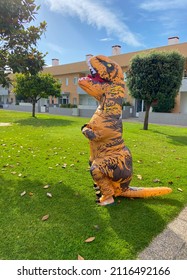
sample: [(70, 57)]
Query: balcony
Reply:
[(183, 87)]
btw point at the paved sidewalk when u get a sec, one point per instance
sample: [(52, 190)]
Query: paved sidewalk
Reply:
[(171, 244)]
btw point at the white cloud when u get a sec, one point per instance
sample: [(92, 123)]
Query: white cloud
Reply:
[(170, 14), (106, 39), (96, 14), (161, 5), (55, 48)]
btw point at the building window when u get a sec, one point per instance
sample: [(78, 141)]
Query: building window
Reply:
[(74, 101), (75, 80), (64, 100), (92, 101), (67, 81), (125, 76)]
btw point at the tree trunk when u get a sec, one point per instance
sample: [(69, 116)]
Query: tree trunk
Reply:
[(146, 119), (33, 109)]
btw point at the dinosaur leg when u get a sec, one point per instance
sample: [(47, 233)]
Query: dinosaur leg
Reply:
[(103, 182), (95, 186)]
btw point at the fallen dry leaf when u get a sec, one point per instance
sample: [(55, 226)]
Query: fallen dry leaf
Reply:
[(180, 190), (170, 182), (23, 193), (139, 177), (49, 194), (96, 227), (80, 258), (46, 187), (46, 217), (90, 239), (31, 193), (156, 180)]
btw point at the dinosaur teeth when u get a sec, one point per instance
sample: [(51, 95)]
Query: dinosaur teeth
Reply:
[(84, 78), (92, 70)]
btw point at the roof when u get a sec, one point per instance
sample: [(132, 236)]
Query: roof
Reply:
[(122, 59)]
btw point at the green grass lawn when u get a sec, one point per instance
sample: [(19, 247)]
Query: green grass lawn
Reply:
[(50, 150)]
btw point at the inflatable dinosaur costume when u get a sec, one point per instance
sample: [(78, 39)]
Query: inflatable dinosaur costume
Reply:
[(110, 159)]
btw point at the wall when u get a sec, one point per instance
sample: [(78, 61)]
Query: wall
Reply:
[(60, 111), (165, 118), (128, 112), (87, 113), (183, 105), (82, 111), (159, 118), (22, 108)]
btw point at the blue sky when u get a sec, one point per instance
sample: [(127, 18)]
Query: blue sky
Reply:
[(79, 27)]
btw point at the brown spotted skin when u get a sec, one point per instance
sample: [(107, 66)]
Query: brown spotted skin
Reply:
[(110, 159)]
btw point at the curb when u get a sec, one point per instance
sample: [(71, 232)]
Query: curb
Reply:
[(171, 244)]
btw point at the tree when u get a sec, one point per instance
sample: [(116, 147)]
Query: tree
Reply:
[(34, 87), (165, 104), (155, 76), (18, 38)]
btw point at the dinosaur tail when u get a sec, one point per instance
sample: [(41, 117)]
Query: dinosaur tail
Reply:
[(134, 192)]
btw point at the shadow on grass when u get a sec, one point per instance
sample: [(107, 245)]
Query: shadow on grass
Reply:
[(120, 231), (137, 222), (49, 122), (177, 140)]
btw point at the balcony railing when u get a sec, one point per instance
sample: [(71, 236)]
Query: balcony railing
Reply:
[(3, 91)]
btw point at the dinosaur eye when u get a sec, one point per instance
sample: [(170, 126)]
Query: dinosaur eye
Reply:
[(109, 65)]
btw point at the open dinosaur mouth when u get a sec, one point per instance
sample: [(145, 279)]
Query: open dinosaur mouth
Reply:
[(94, 76)]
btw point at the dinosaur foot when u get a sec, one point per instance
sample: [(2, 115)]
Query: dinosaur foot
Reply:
[(108, 201), (134, 192)]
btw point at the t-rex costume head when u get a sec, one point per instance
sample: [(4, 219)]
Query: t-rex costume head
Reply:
[(110, 159), (106, 84)]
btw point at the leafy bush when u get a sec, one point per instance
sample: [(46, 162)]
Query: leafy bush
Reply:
[(69, 105)]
